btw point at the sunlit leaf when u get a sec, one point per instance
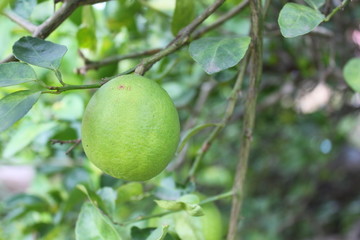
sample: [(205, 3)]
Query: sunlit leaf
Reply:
[(188, 202), (159, 233), (93, 225), (352, 73), (14, 106), (315, 3), (39, 52), (215, 54), (14, 73), (295, 20)]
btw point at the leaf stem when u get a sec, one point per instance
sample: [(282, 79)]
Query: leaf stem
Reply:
[(335, 10)]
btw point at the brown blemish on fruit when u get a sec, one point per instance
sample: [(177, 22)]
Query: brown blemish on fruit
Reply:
[(122, 87)]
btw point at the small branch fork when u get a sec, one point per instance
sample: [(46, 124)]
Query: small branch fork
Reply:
[(75, 143), (48, 26)]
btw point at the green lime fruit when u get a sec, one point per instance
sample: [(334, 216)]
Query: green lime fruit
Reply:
[(130, 128)]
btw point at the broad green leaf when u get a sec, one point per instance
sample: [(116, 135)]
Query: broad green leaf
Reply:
[(159, 233), (192, 132), (170, 205), (184, 13), (352, 73), (108, 196), (86, 38), (150, 233), (188, 202), (315, 3), (215, 54), (23, 8), (295, 20), (128, 192), (92, 196), (14, 73), (93, 225), (24, 136), (14, 106), (39, 52)]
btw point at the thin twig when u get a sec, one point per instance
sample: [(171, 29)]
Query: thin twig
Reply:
[(228, 113), (48, 26), (233, 12), (249, 117), (74, 141), (28, 26), (335, 10), (113, 59)]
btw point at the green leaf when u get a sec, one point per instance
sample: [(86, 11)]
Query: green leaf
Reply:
[(4, 3), (192, 132), (295, 20), (184, 13), (129, 191), (14, 106), (86, 38), (170, 205), (159, 233), (23, 8), (92, 196), (315, 3), (92, 225), (24, 136), (14, 73), (39, 52), (188, 202), (108, 196), (352, 73), (215, 54)]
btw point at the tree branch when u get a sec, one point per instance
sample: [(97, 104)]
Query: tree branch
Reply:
[(114, 59), (249, 117), (28, 26), (48, 26), (181, 39)]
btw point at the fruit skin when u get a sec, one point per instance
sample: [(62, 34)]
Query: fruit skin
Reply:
[(130, 128)]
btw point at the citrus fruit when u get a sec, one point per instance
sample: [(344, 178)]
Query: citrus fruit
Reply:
[(130, 128)]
